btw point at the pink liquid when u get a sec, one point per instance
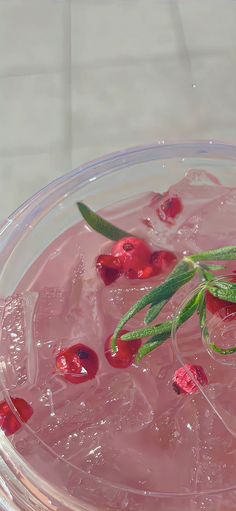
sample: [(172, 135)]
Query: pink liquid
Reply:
[(126, 428)]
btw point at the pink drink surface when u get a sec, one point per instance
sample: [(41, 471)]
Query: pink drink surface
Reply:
[(127, 427)]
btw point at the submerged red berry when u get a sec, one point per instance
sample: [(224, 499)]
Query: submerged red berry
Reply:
[(78, 363), (109, 268), (9, 423), (221, 308), (182, 382), (169, 209), (125, 353), (162, 261), (134, 254)]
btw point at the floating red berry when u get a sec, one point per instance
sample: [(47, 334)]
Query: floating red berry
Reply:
[(134, 254), (182, 382), (221, 308), (126, 351), (169, 209), (109, 268), (78, 363), (9, 423)]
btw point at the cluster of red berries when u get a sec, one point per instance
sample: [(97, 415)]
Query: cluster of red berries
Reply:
[(133, 258), (79, 363)]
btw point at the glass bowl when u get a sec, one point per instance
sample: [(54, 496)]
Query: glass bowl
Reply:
[(23, 237)]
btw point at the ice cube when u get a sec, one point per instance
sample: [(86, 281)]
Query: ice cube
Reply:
[(88, 320), (89, 489), (195, 190), (179, 450), (51, 315), (213, 439), (120, 464), (78, 420), (18, 351), (125, 213), (118, 298), (214, 225)]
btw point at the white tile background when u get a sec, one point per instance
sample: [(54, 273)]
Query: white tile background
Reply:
[(79, 78)]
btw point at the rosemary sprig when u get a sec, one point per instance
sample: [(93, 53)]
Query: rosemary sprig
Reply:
[(157, 299), (100, 225), (159, 294), (161, 332)]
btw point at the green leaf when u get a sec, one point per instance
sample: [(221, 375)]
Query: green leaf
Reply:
[(154, 311), (222, 284), (189, 309), (207, 275), (202, 309), (163, 331), (156, 308), (100, 225), (213, 267), (160, 333), (162, 292), (148, 331), (151, 345), (219, 254), (222, 351), (224, 294)]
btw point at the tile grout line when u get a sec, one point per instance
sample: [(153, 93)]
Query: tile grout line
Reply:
[(180, 37), (68, 80)]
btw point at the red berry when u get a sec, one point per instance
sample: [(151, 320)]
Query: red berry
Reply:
[(162, 261), (169, 209), (78, 363), (109, 268), (182, 382), (9, 423), (221, 308), (146, 273), (126, 351), (134, 255)]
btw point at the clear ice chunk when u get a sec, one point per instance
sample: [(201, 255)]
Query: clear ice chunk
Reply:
[(196, 190), (18, 351)]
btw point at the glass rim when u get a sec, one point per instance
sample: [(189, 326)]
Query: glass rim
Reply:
[(38, 206)]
